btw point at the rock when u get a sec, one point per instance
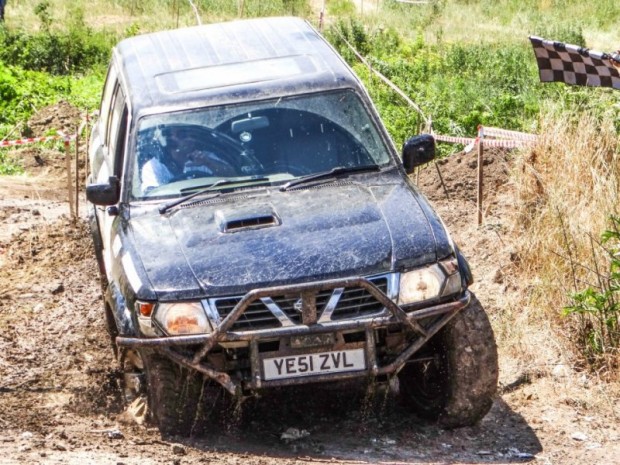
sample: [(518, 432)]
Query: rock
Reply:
[(57, 288), (135, 413), (518, 454), (579, 436), (114, 434), (560, 371), (178, 449), (293, 434)]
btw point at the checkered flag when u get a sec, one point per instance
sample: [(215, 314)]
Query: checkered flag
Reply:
[(558, 62)]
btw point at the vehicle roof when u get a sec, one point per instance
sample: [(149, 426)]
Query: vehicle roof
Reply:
[(227, 62)]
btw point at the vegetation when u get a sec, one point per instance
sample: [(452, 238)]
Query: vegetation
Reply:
[(569, 186), (463, 62), (598, 306)]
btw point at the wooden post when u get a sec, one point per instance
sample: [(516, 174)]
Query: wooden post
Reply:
[(480, 163), (87, 137), (77, 172), (322, 16), (69, 177), (443, 184)]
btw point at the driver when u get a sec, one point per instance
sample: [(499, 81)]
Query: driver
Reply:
[(183, 158)]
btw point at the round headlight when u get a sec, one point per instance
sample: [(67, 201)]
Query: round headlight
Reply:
[(182, 318), (420, 285)]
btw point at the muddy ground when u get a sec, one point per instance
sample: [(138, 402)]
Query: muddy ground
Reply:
[(59, 386)]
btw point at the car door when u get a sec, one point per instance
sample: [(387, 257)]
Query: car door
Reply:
[(112, 139)]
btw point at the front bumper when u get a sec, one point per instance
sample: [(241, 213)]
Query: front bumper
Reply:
[(418, 326)]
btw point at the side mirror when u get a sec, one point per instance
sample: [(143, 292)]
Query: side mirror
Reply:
[(417, 151), (104, 194)]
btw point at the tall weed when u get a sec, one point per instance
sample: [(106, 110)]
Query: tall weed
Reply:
[(568, 186), (597, 307)]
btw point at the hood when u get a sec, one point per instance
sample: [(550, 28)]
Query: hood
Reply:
[(234, 243)]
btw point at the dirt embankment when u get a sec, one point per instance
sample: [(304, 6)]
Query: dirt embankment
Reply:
[(59, 386)]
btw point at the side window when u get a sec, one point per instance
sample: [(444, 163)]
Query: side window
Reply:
[(106, 100), (117, 131)]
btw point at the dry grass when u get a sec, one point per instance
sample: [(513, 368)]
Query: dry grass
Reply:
[(568, 186)]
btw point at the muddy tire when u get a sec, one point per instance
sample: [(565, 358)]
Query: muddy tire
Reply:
[(174, 395), (457, 385)]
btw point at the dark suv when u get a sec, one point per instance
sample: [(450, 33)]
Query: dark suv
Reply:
[(255, 227)]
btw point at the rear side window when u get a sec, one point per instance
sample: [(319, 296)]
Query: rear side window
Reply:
[(117, 130), (106, 100)]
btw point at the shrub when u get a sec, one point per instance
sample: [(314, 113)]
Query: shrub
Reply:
[(568, 185), (597, 307)]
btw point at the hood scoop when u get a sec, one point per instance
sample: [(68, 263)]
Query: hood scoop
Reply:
[(242, 219)]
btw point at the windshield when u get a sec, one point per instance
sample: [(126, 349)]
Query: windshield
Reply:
[(281, 140)]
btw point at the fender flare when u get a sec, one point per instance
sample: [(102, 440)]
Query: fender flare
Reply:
[(95, 233), (466, 274), (122, 315)]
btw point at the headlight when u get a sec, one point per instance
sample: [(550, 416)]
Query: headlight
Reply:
[(453, 277), (441, 279), (182, 318), (420, 285)]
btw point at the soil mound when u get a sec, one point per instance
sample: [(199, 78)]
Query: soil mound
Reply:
[(460, 175), (61, 116)]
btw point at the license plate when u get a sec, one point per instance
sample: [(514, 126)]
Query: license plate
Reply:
[(295, 366)]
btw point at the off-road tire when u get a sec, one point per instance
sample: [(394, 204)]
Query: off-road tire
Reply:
[(174, 395), (457, 387)]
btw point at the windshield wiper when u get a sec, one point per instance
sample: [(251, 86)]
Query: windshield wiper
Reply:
[(337, 171), (205, 189), (226, 182)]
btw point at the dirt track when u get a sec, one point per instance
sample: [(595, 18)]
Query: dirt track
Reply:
[(59, 396)]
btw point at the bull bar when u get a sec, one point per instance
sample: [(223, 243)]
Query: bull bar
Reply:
[(308, 291)]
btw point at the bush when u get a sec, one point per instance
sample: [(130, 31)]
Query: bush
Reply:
[(568, 186), (75, 49), (22, 92), (59, 53), (597, 307)]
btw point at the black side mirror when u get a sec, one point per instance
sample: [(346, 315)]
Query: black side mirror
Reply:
[(104, 194), (417, 151)]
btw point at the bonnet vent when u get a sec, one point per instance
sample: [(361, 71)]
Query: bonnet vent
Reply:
[(234, 221)]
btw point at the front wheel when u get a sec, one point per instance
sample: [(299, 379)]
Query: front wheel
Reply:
[(456, 380), (180, 400)]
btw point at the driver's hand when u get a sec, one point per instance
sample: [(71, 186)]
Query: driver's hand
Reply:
[(198, 157)]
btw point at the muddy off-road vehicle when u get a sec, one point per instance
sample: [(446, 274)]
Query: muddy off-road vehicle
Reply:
[(255, 227)]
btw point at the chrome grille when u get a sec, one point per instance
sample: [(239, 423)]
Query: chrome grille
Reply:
[(355, 302)]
